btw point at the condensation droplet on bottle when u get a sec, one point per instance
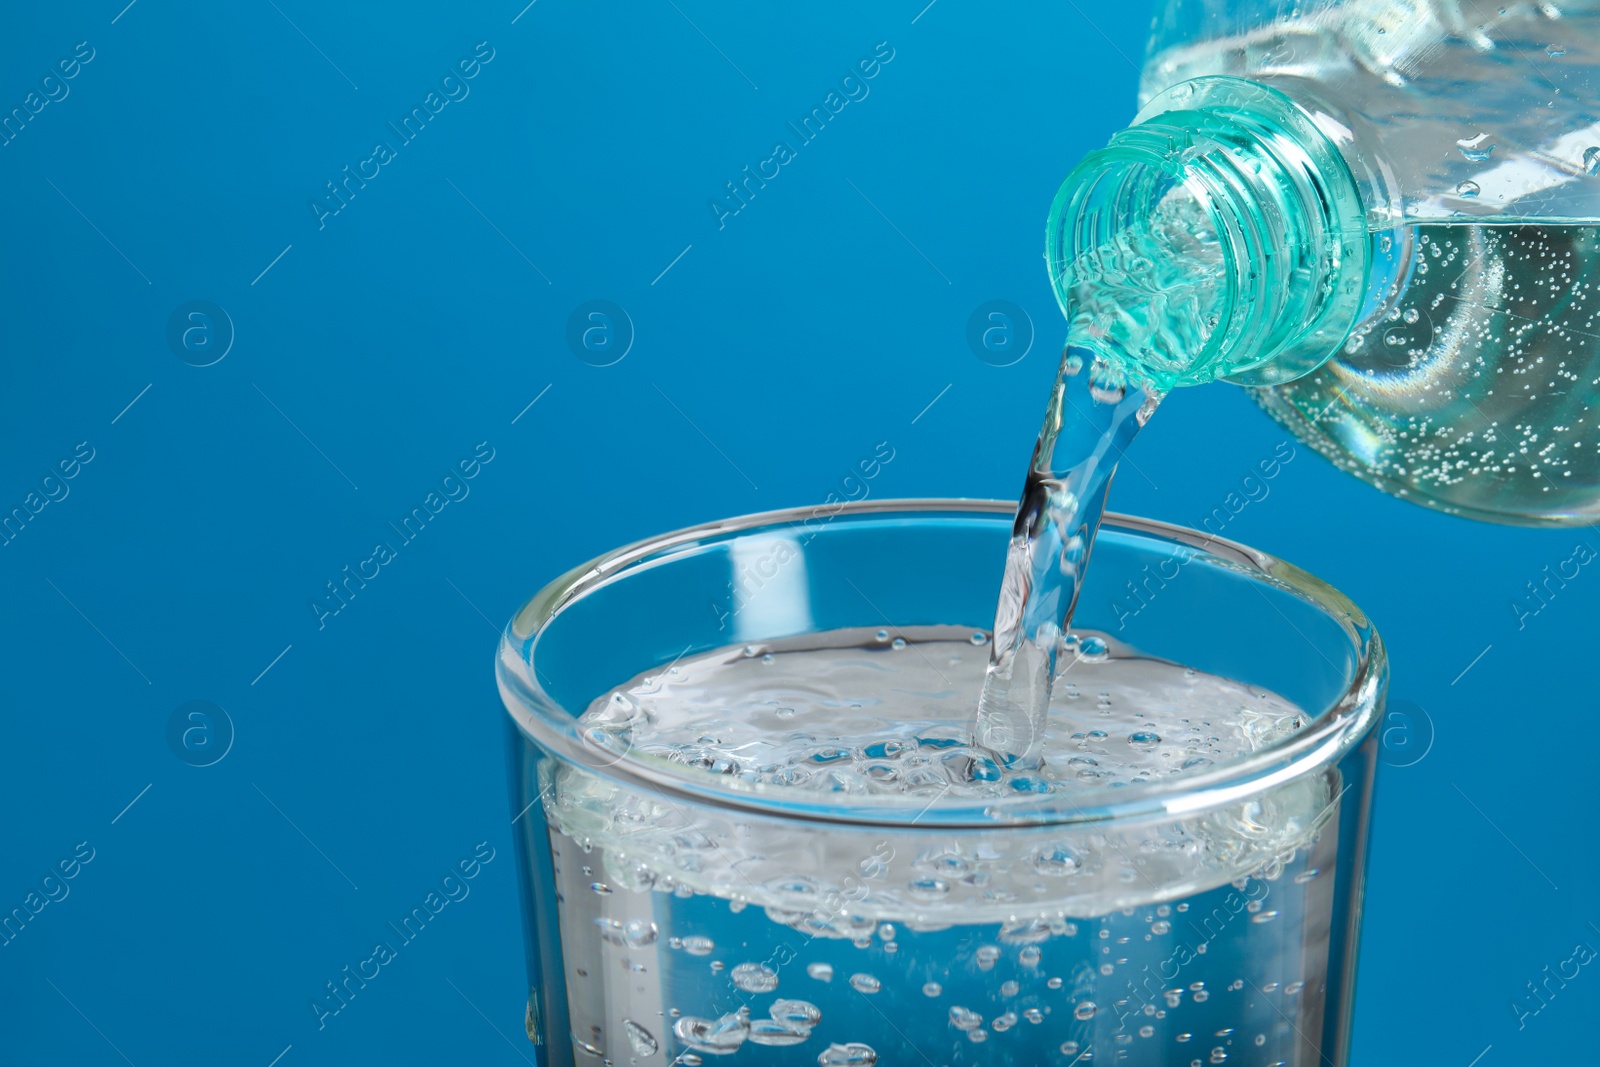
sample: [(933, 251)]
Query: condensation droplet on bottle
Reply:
[(1591, 159), (1477, 148), (1468, 189), (1555, 51)]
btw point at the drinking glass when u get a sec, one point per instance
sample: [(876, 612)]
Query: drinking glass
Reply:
[(675, 916)]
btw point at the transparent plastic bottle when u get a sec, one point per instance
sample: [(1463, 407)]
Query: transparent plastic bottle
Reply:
[(1382, 216)]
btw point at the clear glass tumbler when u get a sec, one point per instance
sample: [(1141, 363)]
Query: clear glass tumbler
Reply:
[(675, 916)]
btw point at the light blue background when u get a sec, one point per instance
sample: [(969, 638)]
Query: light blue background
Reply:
[(775, 352)]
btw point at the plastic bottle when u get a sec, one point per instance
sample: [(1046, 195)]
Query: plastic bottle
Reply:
[(1382, 216)]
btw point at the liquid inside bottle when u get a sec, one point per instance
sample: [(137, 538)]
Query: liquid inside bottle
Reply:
[(1473, 390), (1468, 381)]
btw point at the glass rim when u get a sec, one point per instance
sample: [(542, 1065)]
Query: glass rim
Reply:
[(1334, 728)]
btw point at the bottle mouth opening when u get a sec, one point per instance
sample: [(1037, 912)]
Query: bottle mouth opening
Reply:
[(1141, 259), (1221, 236)]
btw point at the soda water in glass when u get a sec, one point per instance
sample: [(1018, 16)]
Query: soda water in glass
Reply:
[(755, 825)]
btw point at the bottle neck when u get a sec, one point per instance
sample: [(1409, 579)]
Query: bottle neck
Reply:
[(1220, 236)]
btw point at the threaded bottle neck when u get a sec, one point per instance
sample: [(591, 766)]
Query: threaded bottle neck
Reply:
[(1220, 236)]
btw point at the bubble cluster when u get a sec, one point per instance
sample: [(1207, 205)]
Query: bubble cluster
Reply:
[(1025, 941), (897, 719), (1472, 390), (788, 1022)]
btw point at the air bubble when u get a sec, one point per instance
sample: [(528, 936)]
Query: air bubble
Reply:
[(755, 978), (822, 972), (1468, 189), (774, 1033), (1591, 159), (963, 1018), (854, 1054), (635, 933), (865, 983), (643, 1041), (796, 1013), (718, 1037)]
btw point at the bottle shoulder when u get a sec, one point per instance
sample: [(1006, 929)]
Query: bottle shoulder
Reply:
[(1464, 119)]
